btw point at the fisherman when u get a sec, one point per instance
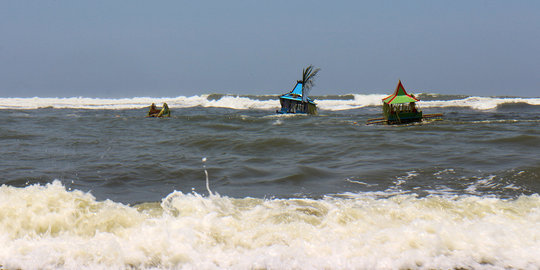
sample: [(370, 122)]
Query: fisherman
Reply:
[(154, 111), (165, 112), (412, 105)]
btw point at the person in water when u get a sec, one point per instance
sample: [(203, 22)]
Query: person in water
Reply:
[(154, 111), (165, 112)]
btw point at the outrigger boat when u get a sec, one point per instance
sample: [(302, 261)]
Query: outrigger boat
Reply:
[(400, 108), (297, 101)]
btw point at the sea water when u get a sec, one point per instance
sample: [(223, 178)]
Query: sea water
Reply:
[(94, 184)]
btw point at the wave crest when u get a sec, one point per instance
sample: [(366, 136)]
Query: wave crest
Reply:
[(248, 102), (50, 227)]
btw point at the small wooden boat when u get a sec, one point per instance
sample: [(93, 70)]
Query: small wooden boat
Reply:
[(159, 112), (400, 108), (297, 101)]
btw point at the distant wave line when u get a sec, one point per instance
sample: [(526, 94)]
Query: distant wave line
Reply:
[(258, 102)]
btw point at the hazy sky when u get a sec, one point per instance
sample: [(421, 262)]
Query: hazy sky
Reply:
[(94, 48)]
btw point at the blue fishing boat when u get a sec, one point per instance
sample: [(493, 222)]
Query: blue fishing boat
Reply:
[(297, 101)]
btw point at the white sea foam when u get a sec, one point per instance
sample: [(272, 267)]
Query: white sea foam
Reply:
[(478, 103), (45, 227), (243, 103), (134, 103), (359, 101)]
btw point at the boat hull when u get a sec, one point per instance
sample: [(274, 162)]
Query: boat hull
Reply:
[(289, 106), (403, 117)]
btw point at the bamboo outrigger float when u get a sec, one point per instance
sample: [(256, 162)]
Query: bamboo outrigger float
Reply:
[(400, 108)]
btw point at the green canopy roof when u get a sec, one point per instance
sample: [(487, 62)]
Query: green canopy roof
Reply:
[(399, 96)]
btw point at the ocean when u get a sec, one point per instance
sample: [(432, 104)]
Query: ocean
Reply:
[(226, 183)]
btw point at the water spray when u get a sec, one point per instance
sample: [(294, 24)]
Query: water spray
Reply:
[(206, 173)]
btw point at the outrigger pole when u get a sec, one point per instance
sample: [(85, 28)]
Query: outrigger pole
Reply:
[(433, 115), (376, 121)]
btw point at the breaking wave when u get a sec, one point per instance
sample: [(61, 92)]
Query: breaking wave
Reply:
[(262, 102), (45, 227)]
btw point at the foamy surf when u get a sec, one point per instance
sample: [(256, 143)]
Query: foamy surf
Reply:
[(43, 227), (479, 103), (246, 103)]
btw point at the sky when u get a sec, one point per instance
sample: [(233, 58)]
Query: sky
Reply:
[(135, 48)]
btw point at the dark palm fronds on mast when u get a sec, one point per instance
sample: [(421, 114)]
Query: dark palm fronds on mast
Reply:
[(308, 77)]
